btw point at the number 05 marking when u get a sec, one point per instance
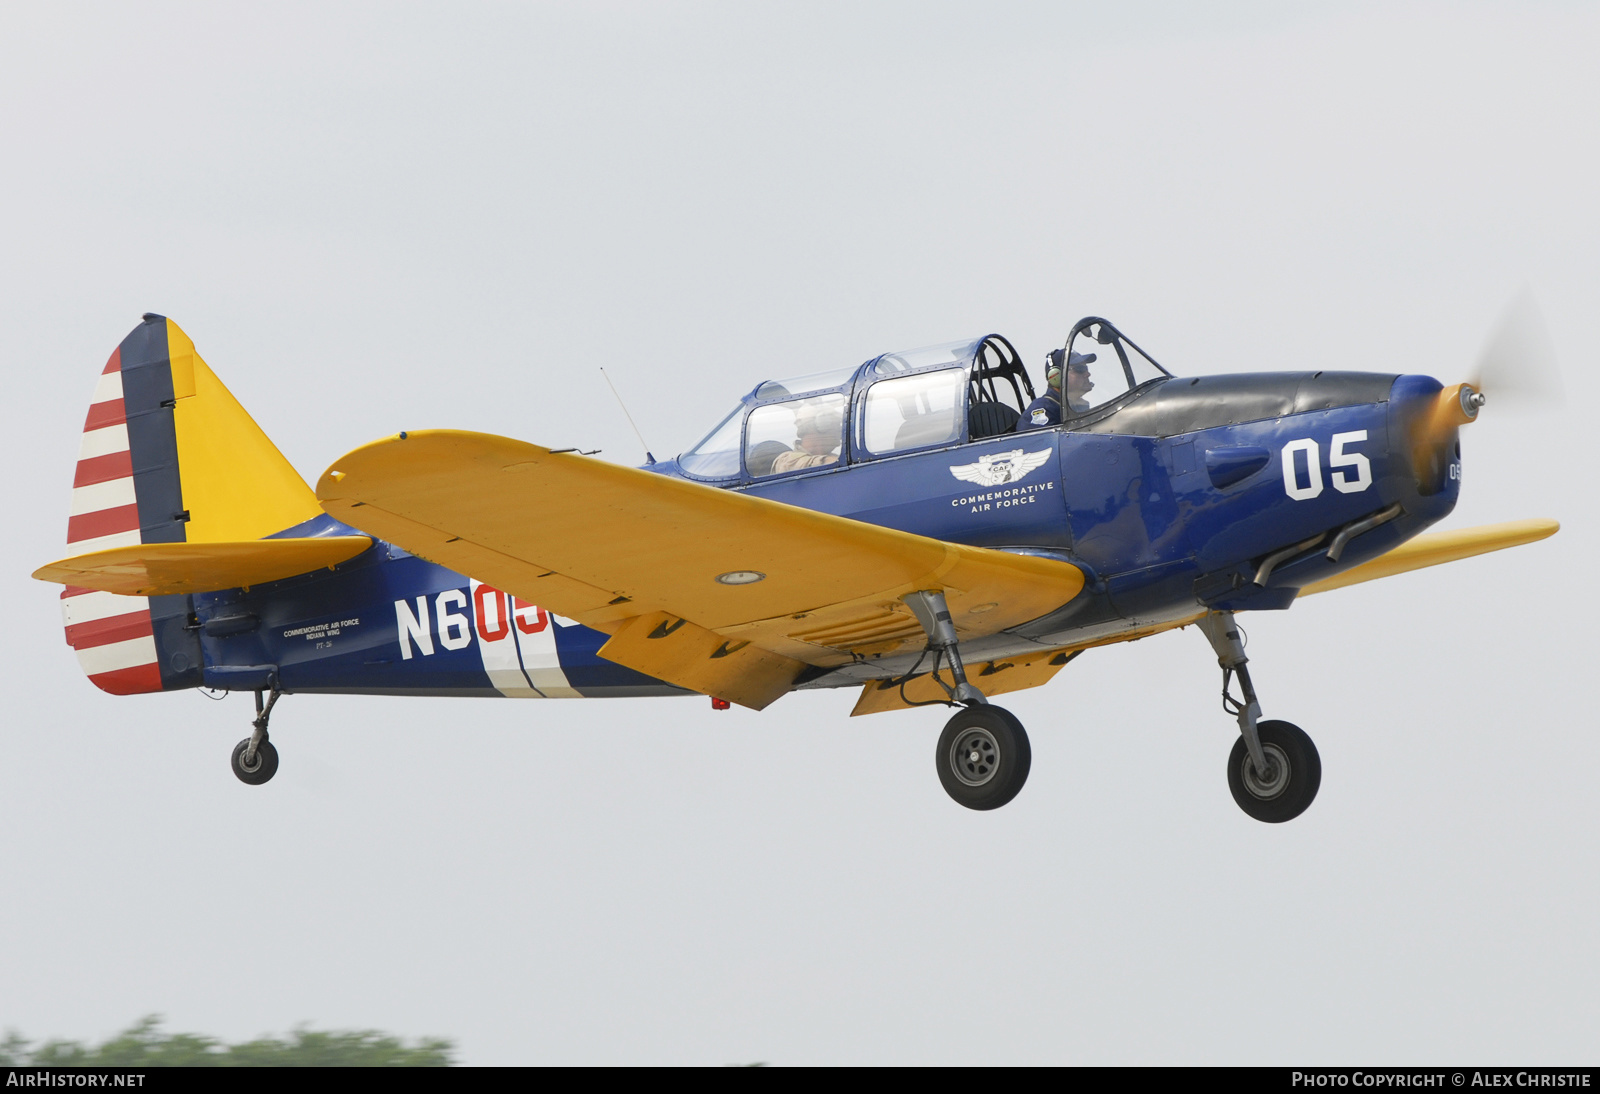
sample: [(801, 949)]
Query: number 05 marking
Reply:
[(1351, 472)]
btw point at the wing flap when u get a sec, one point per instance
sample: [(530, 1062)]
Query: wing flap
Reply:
[(992, 678), (692, 657), (1003, 675), (604, 544), (165, 569), (1435, 548)]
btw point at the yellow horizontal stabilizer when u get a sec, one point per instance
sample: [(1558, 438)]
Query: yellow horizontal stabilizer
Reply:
[(605, 544), (165, 569), (1438, 547)]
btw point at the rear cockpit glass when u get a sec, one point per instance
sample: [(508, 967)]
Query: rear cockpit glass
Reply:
[(915, 411), (794, 435), (917, 399), (897, 364), (717, 457)]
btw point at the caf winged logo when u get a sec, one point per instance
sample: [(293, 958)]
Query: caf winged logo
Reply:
[(1000, 467)]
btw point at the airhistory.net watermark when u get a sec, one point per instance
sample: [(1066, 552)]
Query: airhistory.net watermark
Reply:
[(54, 1077)]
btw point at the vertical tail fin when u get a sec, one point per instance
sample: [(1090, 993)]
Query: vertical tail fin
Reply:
[(168, 456)]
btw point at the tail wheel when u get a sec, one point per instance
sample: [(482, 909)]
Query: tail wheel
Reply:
[(265, 766), (983, 757), (1288, 786)]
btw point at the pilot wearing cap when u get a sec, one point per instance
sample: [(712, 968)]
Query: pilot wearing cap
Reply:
[(1046, 410)]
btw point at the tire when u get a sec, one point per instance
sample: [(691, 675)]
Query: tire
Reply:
[(1280, 798), (266, 763), (983, 757)]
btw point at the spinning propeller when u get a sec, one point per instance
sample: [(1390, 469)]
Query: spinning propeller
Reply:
[(1518, 362), (1516, 367)]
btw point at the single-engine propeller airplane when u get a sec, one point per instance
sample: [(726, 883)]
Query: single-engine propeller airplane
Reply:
[(921, 528)]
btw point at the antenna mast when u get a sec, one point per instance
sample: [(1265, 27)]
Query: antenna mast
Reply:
[(615, 394)]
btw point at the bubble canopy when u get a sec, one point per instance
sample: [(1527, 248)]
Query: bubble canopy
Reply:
[(915, 400), (718, 455), (804, 385)]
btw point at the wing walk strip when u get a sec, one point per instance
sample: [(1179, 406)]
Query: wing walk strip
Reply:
[(113, 635)]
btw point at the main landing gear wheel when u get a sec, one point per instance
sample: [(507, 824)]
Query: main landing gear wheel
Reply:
[(1289, 785), (265, 766), (983, 757)]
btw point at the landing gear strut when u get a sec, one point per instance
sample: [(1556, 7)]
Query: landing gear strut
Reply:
[(1274, 771), (255, 759), (983, 755)]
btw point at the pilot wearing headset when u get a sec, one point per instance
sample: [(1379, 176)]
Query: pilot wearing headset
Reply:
[(1046, 410), (818, 432)]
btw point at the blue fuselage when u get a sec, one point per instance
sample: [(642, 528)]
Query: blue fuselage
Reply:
[(1170, 503)]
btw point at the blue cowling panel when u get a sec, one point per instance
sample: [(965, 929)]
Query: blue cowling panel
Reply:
[(1229, 465)]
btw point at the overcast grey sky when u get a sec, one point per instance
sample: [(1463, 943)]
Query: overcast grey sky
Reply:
[(377, 217)]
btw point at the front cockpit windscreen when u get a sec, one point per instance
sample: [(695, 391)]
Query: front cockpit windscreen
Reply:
[(804, 429), (1101, 365), (717, 457)]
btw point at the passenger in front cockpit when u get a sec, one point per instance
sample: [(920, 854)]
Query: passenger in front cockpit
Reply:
[(1046, 410), (818, 432)]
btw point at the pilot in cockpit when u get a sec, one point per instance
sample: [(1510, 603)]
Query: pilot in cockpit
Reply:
[(1046, 410), (817, 432)]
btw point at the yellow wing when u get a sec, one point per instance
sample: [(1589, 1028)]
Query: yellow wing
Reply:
[(656, 561), (1434, 548), (1031, 670)]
